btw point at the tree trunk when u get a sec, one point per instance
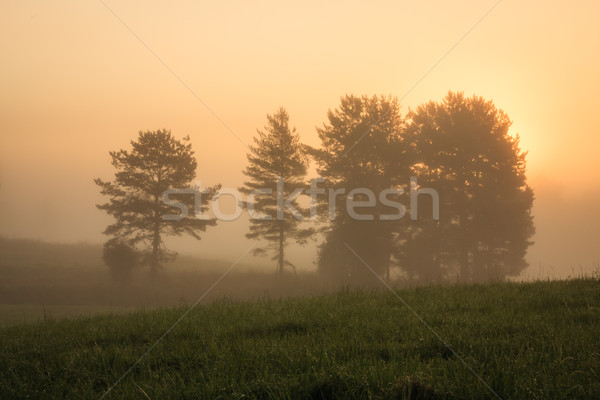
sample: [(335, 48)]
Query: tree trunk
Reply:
[(281, 259), (155, 261)]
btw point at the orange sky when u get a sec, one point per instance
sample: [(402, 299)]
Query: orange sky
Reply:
[(76, 83)]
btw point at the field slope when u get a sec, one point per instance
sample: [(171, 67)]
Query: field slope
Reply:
[(525, 340)]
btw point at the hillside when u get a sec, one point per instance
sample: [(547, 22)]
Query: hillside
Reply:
[(525, 340), (42, 274)]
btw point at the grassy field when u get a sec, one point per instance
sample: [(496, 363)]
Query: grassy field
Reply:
[(15, 314), (525, 340)]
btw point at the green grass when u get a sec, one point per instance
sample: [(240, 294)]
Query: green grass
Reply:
[(14, 314), (536, 340)]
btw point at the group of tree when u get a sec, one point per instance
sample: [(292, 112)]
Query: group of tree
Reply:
[(459, 147), (463, 150)]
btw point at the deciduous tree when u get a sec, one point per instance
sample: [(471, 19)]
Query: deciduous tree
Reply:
[(465, 152), (361, 147)]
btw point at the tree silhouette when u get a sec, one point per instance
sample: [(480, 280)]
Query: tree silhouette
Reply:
[(464, 151), (361, 147), (157, 162), (277, 166)]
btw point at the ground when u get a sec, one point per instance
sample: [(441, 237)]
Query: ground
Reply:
[(498, 340)]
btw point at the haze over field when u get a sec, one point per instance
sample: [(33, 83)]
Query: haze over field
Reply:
[(77, 83)]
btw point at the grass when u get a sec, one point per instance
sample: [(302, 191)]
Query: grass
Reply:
[(535, 340), (15, 314)]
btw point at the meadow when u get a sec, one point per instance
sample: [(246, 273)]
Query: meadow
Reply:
[(536, 340)]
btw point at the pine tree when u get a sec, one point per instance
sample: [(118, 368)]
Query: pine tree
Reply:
[(157, 162), (277, 166)]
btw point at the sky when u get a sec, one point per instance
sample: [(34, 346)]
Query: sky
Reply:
[(79, 79)]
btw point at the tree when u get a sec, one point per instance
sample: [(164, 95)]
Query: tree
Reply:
[(157, 162), (277, 166), (361, 147), (465, 152)]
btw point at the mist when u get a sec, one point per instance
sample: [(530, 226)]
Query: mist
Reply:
[(52, 210), (77, 84)]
